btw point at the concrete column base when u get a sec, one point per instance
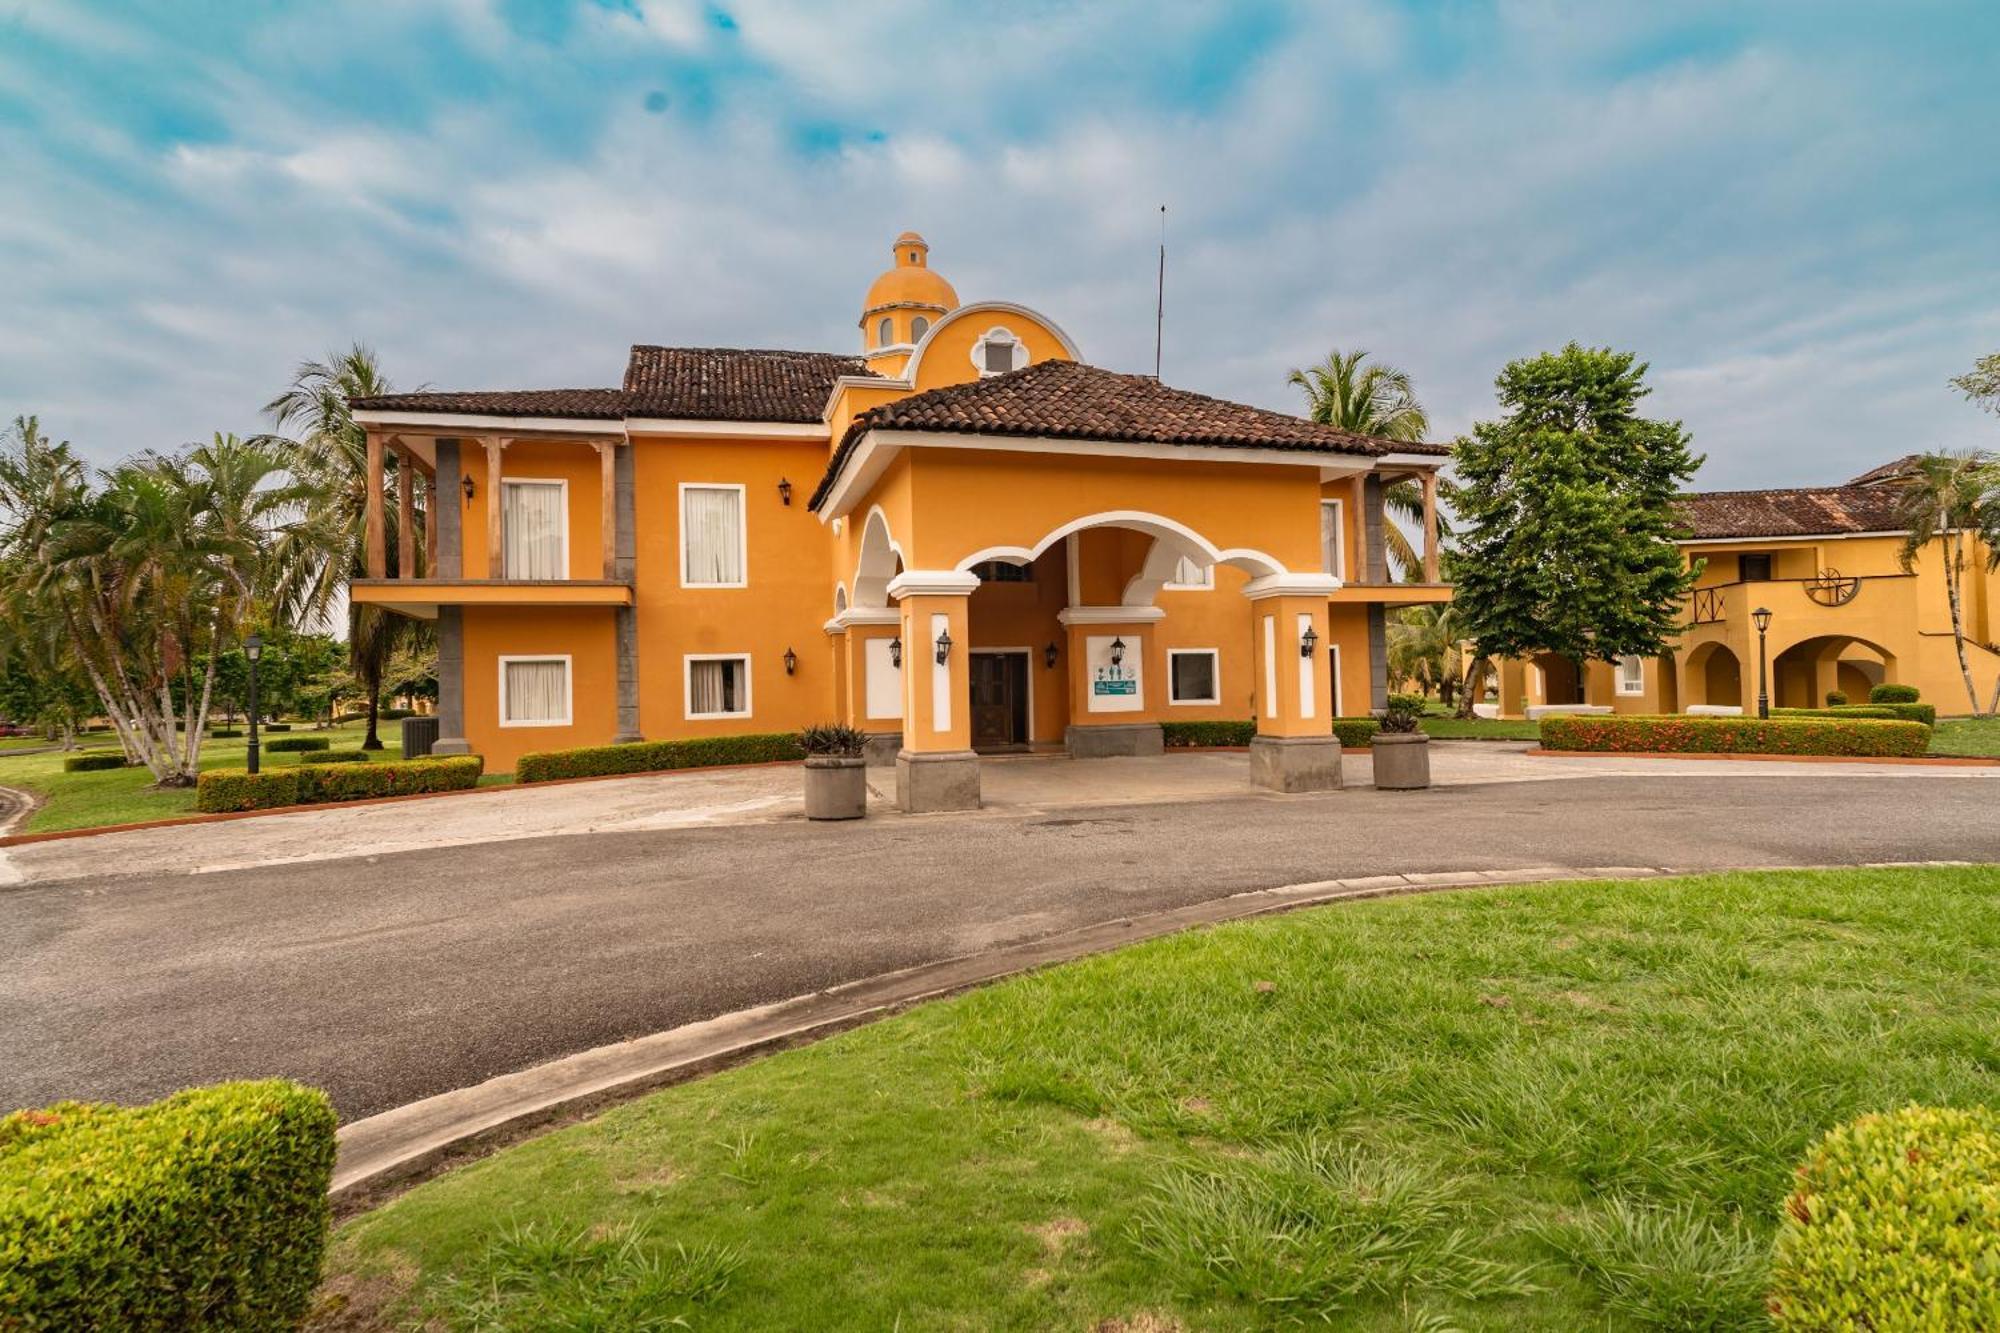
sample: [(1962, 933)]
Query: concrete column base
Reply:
[(932, 781), (449, 745), (882, 748), (1294, 764), (1114, 740)]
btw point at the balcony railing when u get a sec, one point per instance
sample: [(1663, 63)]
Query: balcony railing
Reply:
[(1828, 590)]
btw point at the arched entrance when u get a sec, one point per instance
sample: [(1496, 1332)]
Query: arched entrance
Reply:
[(1804, 673), (1669, 677), (1562, 683), (1714, 676)]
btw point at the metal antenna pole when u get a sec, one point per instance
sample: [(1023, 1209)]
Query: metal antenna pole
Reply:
[(1160, 294)]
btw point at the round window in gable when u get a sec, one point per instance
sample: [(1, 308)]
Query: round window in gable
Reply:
[(999, 351)]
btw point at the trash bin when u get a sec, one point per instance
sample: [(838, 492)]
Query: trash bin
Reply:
[(419, 735)]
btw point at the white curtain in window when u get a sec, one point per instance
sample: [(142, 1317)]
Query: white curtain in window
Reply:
[(538, 691), (532, 520), (712, 531), (715, 687), (1330, 536)]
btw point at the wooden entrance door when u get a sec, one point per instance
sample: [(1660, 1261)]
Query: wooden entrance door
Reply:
[(999, 700)]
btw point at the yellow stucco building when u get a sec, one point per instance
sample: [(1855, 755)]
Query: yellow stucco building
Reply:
[(962, 538), (1844, 614)]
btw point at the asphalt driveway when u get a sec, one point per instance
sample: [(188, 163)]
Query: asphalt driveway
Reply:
[(386, 978)]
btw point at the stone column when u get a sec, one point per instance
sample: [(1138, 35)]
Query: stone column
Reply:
[(1378, 657), (936, 768), (624, 548), (1294, 749), (451, 683), (447, 563), (1109, 702)]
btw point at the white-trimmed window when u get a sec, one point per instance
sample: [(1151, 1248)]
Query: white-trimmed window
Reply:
[(1631, 674), (1194, 676), (718, 686), (535, 691), (714, 550), (999, 351), (534, 528), (1333, 538), (918, 328), (1189, 573)]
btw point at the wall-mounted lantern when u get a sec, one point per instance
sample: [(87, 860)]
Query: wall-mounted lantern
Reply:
[(1049, 655), (1118, 652), (465, 484), (943, 646), (791, 662), (785, 489), (1308, 641), (896, 652)]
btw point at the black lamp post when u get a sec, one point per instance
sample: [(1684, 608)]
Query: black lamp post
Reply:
[(1762, 617), (253, 648)]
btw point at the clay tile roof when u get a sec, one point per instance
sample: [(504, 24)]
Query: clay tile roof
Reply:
[(1073, 401), (732, 384), (1903, 467), (591, 404), (1801, 512)]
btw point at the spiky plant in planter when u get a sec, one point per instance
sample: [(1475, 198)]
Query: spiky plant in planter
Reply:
[(836, 772), (1402, 752)]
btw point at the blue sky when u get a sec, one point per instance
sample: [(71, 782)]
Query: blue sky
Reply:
[(1789, 209)]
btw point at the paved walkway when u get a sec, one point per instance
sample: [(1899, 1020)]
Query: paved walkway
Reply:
[(729, 797), (393, 976)]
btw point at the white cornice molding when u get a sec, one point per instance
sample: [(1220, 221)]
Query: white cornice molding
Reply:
[(1413, 460), (864, 615), (1291, 585), (770, 430), (1109, 615), (1754, 542), (474, 423), (932, 583)]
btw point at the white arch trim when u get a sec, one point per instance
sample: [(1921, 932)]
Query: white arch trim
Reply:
[(876, 565), (1171, 541), (988, 308)]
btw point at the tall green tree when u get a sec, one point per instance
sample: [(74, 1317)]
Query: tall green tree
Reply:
[(1424, 647), (1949, 503), (1565, 513), (327, 448), (1982, 383), (1348, 391)]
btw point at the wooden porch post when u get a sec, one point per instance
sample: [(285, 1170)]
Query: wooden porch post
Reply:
[(376, 552), (430, 524), (406, 512), (1357, 524), (1430, 527), (607, 457), (495, 544)]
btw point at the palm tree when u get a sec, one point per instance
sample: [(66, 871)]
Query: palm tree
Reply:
[(1373, 400), (329, 451), (1424, 647), (1953, 500)]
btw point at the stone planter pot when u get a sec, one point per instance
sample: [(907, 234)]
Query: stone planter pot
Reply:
[(836, 787), (1402, 760)]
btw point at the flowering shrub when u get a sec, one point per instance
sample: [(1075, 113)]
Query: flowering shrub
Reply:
[(1640, 734)]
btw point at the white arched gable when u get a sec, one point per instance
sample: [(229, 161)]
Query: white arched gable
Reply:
[(1171, 541), (880, 558), (987, 310)]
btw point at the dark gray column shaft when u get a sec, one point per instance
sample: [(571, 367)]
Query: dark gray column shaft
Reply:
[(625, 549)]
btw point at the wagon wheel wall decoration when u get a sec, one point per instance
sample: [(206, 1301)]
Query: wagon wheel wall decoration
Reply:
[(1831, 588)]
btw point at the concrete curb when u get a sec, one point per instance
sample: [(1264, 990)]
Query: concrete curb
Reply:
[(1920, 760), (383, 1154)]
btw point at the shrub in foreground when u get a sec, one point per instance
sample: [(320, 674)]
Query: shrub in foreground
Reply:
[(226, 789), (204, 1211), (301, 744), (1893, 694), (1845, 710), (1351, 732), (592, 761), (1895, 1224), (1641, 734), (91, 763)]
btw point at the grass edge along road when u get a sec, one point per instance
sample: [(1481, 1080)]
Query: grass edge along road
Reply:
[(1548, 1106)]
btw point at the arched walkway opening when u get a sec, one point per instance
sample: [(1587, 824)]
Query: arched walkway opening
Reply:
[(1714, 675), (1804, 673), (1668, 674), (1561, 682)]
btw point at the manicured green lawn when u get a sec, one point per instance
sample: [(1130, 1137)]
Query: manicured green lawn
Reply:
[(1967, 736), (1551, 1107), (126, 795), (1480, 728)]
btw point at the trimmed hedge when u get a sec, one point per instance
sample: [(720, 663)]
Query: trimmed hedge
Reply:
[(223, 733), (1895, 1224), (274, 726), (226, 789), (1642, 734), (338, 757), (592, 761), (1924, 713), (1893, 694), (298, 744), (206, 1210), (1351, 732), (91, 763)]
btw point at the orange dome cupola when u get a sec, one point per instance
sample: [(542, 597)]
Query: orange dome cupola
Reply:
[(906, 300)]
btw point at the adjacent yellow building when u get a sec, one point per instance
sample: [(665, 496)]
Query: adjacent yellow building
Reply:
[(1844, 614), (962, 539)]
